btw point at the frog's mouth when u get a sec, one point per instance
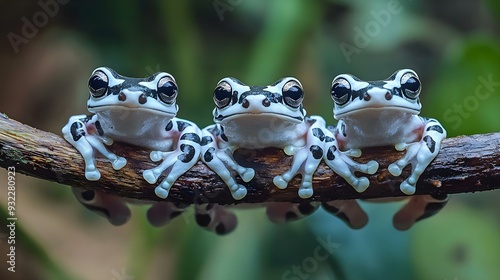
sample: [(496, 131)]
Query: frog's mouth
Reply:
[(296, 119), (129, 107), (378, 109)]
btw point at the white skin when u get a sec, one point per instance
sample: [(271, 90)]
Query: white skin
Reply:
[(135, 111), (382, 113), (256, 117)]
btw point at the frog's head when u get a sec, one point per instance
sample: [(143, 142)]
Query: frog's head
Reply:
[(111, 91), (235, 100), (399, 92)]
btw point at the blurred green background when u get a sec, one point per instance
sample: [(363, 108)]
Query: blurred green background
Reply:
[(452, 45)]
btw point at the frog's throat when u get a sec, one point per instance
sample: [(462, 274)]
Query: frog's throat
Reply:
[(401, 109)]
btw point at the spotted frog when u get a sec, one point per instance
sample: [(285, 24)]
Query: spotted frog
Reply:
[(141, 112), (381, 113), (256, 117)]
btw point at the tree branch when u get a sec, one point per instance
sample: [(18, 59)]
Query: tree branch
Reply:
[(465, 164)]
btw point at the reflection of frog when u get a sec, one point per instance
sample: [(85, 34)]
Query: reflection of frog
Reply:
[(256, 117), (383, 113), (139, 112)]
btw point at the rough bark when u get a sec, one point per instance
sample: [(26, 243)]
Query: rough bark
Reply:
[(465, 164)]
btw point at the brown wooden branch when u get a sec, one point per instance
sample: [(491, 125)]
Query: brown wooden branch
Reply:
[(465, 164)]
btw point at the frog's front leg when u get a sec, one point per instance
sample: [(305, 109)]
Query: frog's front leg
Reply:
[(417, 208), (112, 207), (178, 161), (216, 218), (80, 132), (221, 161), (418, 154), (305, 159), (343, 165), (280, 212)]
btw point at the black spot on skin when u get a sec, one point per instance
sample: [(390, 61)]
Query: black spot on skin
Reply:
[(290, 216), (329, 139), (175, 214), (335, 211), (169, 126), (77, 131), (330, 154), (437, 128), (318, 133), (101, 210), (342, 129), (99, 128), (191, 137), (223, 137), (307, 208), (206, 140), (220, 229), (432, 208), (310, 120), (188, 153), (182, 125), (209, 155), (88, 195), (316, 151), (203, 220), (431, 144), (440, 196)]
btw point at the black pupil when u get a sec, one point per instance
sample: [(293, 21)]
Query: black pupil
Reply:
[(168, 88), (220, 93), (339, 90), (96, 83), (294, 93), (412, 84)]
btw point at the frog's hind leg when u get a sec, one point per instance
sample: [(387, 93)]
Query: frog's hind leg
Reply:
[(161, 213), (215, 218), (112, 207), (347, 211), (417, 208), (280, 212)]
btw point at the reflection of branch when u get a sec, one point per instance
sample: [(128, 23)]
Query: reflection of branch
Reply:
[(465, 164)]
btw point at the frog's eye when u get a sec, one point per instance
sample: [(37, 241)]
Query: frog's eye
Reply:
[(223, 94), (410, 85), (341, 91), (98, 84), (293, 94), (167, 90)]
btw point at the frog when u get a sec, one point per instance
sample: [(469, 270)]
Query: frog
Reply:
[(140, 112), (257, 117), (382, 113)]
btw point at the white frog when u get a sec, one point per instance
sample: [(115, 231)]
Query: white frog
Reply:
[(382, 113), (256, 117), (141, 112)]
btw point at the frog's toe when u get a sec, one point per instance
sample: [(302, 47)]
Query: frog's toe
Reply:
[(280, 182), (372, 167), (361, 185), (248, 175), (394, 169), (119, 163), (149, 176), (407, 188), (161, 191), (92, 175), (306, 192), (239, 193), (155, 156)]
